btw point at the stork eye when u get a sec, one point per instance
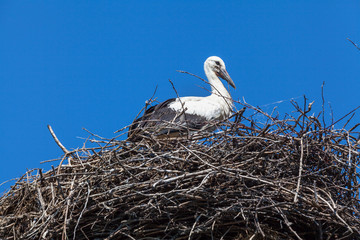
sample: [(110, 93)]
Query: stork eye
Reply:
[(217, 62)]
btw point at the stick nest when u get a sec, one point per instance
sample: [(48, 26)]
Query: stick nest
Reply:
[(292, 178)]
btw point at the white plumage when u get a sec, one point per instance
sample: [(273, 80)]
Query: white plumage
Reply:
[(178, 115)]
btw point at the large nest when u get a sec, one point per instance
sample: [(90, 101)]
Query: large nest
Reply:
[(283, 179)]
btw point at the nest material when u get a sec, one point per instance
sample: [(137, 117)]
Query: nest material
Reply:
[(288, 179)]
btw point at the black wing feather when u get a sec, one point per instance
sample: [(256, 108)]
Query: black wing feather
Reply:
[(160, 119)]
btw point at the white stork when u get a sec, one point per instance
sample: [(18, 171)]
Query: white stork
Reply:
[(177, 116)]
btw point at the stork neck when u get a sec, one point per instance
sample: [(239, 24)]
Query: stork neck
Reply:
[(217, 88)]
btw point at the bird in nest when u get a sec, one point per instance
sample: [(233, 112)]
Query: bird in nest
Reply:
[(184, 116)]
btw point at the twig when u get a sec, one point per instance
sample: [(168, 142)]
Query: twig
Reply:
[(323, 104), (344, 116), (300, 170), (57, 140), (353, 43), (86, 202), (193, 226)]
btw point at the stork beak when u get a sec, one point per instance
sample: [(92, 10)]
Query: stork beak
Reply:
[(224, 75)]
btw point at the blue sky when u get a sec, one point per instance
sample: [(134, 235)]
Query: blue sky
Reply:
[(92, 64)]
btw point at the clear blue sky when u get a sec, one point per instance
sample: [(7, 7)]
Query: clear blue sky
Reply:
[(92, 64)]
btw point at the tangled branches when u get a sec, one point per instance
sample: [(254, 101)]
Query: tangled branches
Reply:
[(283, 179)]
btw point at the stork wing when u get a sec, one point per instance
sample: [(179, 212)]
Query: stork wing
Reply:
[(162, 120)]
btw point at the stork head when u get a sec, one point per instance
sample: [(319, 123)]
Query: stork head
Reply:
[(217, 65)]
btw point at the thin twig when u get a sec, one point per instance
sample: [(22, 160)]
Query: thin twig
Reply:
[(300, 170), (57, 140), (353, 43)]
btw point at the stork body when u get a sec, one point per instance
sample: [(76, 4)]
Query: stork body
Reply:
[(177, 116)]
